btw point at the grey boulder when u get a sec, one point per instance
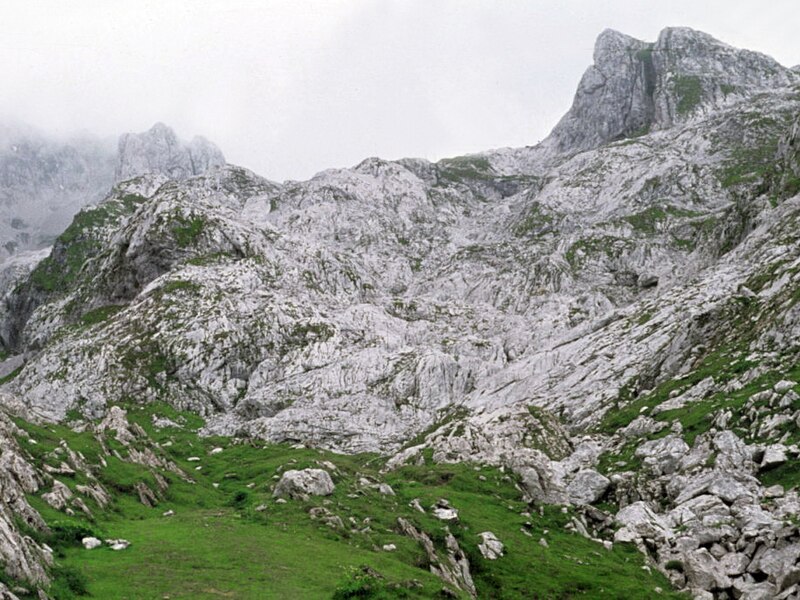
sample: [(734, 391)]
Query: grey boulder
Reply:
[(301, 484)]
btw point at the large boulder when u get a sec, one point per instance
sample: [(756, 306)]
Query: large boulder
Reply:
[(774, 455), (729, 486), (90, 543), (778, 564), (301, 484), (587, 487), (734, 563), (663, 456), (732, 453), (705, 572), (701, 510), (639, 521), (491, 548)]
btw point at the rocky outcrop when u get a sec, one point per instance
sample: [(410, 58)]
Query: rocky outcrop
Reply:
[(22, 558), (451, 566), (634, 86), (615, 97), (587, 487), (490, 547), (159, 152), (697, 73)]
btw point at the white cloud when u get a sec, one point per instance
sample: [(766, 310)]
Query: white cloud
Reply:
[(289, 88)]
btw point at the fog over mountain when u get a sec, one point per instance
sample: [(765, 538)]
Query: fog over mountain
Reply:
[(289, 88)]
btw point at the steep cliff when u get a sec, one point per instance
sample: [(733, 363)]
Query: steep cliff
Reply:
[(634, 87)]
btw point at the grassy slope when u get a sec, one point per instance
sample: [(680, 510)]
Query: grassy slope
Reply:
[(218, 554), (218, 546)]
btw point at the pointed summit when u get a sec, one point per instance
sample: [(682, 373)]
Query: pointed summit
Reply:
[(611, 41), (635, 86), (614, 97)]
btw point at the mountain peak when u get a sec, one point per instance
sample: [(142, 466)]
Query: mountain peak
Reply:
[(635, 86), (690, 40), (158, 150), (161, 129), (611, 40)]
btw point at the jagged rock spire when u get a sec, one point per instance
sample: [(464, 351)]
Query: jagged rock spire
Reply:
[(159, 151)]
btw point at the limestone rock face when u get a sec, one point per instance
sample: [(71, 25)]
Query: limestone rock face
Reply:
[(634, 86), (158, 151), (697, 73), (614, 97)]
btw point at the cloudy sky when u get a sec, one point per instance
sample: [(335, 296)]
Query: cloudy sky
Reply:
[(290, 88)]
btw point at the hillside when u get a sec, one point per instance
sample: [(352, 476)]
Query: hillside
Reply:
[(583, 347)]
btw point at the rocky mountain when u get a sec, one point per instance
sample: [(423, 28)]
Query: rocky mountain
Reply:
[(635, 87), (44, 181), (610, 315), (158, 150)]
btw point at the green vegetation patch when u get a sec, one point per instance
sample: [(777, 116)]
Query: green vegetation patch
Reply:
[(100, 315), (229, 538), (10, 376), (465, 167), (148, 360), (750, 164), (585, 249), (689, 91), (653, 218), (308, 332), (535, 222), (179, 285), (754, 160), (187, 230), (638, 132), (214, 258), (79, 243)]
